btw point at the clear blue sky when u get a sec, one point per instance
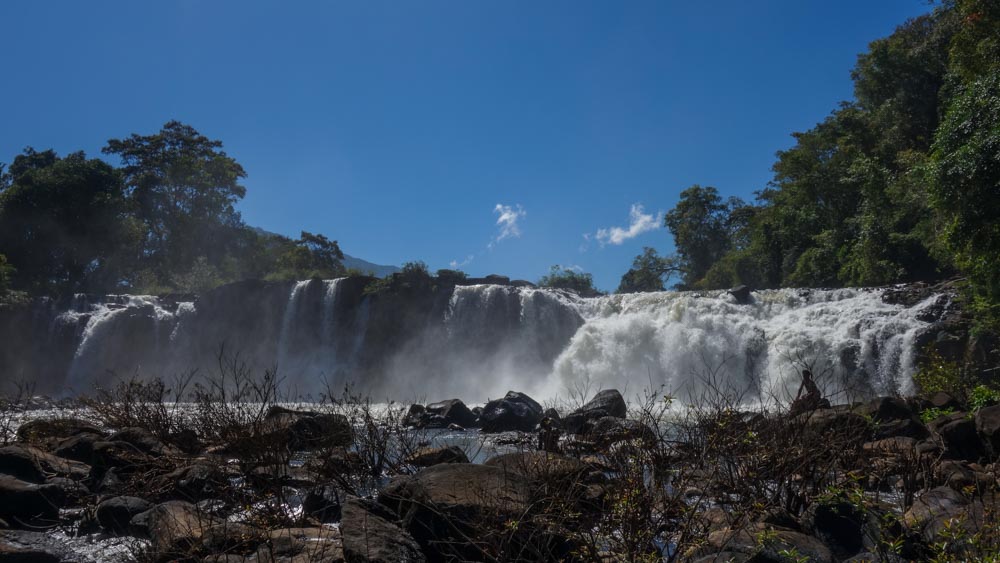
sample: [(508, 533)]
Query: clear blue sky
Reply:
[(398, 127)]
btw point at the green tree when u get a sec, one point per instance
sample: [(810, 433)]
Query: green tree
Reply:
[(649, 272), (184, 188), (565, 278), (312, 256), (703, 230), (65, 223)]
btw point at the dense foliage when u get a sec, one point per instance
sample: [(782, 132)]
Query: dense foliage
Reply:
[(566, 278), (165, 220), (900, 184)]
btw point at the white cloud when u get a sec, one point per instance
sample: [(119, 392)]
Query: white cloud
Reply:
[(639, 223), (508, 219), (456, 264)]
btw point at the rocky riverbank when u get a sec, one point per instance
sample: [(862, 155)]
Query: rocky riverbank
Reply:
[(868, 481)]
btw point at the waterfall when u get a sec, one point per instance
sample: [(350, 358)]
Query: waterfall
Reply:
[(478, 341), (690, 343)]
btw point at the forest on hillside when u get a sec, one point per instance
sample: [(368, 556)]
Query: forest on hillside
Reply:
[(902, 183)]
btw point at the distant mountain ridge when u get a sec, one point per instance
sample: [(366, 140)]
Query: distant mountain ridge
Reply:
[(350, 262)]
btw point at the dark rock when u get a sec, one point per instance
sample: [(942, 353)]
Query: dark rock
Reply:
[(944, 400), (21, 501), (942, 508), (437, 502), (515, 412), (609, 430), (231, 538), (174, 528), (540, 466), (115, 514), (606, 403), (551, 414), (187, 441), (838, 524), (452, 411), (415, 416), (301, 545), (426, 457), (140, 438), (31, 464), (43, 431), (323, 503), (822, 421), (741, 293), (369, 536), (959, 437), (191, 483), (988, 426), (306, 430)]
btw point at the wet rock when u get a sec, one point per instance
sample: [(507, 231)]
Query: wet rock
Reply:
[(23, 502), (538, 465), (741, 293), (515, 412), (307, 430), (416, 416), (369, 535), (606, 403), (944, 400), (231, 538), (21, 462), (823, 421), (609, 430), (301, 545), (452, 411), (115, 514), (838, 524), (426, 457)]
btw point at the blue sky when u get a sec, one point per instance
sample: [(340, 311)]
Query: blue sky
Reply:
[(494, 135)]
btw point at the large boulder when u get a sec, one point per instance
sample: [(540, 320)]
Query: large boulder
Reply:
[(175, 528), (514, 412), (440, 504), (141, 439), (307, 430), (301, 545), (34, 465), (191, 483), (45, 431), (958, 436), (940, 509), (369, 534), (606, 403), (18, 546)]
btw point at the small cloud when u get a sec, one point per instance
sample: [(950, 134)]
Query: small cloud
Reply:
[(585, 245), (456, 264), (508, 221), (639, 222)]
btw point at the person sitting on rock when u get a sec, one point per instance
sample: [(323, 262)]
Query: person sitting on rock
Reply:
[(813, 398)]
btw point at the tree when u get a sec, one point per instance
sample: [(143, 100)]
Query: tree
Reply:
[(64, 222), (184, 188), (566, 278), (312, 256), (702, 230), (648, 273), (6, 271)]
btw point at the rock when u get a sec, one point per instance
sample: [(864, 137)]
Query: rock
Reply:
[(231, 538), (609, 430), (115, 514), (323, 503), (191, 483), (743, 545), (175, 528), (369, 536), (959, 437), (31, 547), (541, 466), (43, 431), (415, 416), (944, 400), (838, 524), (21, 462), (515, 412), (140, 438), (426, 457), (301, 545), (988, 426), (452, 411), (439, 502), (823, 421), (23, 502), (941, 508), (741, 293), (606, 403), (307, 430)]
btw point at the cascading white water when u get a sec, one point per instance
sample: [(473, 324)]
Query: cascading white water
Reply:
[(690, 343)]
